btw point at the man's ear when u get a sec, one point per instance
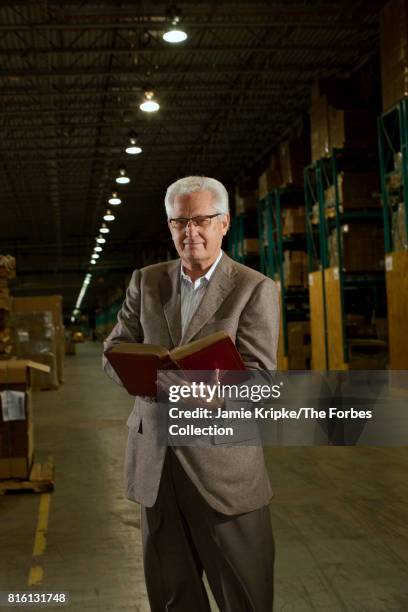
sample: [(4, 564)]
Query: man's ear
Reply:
[(225, 223)]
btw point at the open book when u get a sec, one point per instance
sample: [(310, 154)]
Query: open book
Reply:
[(137, 364)]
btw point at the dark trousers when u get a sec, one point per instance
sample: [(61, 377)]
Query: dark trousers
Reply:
[(183, 536)]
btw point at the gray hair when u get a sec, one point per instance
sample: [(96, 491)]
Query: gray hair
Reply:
[(191, 184)]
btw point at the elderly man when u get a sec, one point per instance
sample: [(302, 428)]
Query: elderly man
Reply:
[(204, 509)]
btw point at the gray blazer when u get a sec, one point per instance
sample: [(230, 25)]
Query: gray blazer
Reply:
[(238, 300)]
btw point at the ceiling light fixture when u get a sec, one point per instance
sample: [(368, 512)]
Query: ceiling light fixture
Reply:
[(100, 240), (174, 34), (149, 105), (95, 256), (93, 261), (122, 178), (108, 216), (98, 249), (103, 229), (133, 148), (114, 200)]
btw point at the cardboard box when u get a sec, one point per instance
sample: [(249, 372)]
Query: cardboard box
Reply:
[(5, 302), (293, 155), (294, 221), (368, 354), (299, 350), (355, 189), (295, 268), (319, 129), (352, 128), (251, 246), (52, 303), (394, 51), (16, 436), (399, 229), (271, 178), (363, 247), (246, 203)]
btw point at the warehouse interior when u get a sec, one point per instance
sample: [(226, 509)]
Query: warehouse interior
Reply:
[(300, 109)]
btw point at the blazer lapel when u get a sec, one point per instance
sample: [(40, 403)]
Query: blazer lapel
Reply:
[(170, 296), (220, 285)]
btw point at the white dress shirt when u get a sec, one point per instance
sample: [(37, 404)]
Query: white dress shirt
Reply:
[(192, 292)]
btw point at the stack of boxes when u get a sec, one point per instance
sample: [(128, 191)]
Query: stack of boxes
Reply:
[(49, 319), (337, 120), (271, 178), (246, 200), (394, 80), (16, 417), (295, 268), (362, 247), (394, 52), (7, 271), (34, 339), (299, 349)]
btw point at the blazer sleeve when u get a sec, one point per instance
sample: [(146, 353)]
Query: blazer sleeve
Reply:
[(258, 328), (128, 328)]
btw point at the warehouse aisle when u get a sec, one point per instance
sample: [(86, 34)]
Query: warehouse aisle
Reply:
[(340, 514)]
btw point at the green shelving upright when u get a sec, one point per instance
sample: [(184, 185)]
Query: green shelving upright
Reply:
[(243, 228), (272, 246), (393, 155), (339, 289)]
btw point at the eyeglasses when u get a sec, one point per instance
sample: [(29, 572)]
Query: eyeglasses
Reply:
[(200, 221)]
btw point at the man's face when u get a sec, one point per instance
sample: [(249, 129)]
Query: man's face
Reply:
[(198, 245)]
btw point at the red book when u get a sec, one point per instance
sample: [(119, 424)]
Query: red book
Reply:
[(137, 364)]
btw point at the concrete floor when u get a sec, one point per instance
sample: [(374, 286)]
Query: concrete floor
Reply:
[(340, 515)]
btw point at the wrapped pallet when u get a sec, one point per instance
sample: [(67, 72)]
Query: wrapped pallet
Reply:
[(16, 417), (34, 339), (47, 303)]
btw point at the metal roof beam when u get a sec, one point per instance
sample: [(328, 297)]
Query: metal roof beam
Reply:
[(140, 71), (116, 91), (219, 21), (187, 50)]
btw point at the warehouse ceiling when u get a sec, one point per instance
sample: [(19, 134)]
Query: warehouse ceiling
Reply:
[(72, 76)]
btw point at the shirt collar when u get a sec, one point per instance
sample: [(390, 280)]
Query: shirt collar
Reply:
[(205, 276)]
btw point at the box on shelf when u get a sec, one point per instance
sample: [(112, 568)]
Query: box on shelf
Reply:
[(394, 51), (271, 178), (34, 338), (251, 246), (363, 247), (368, 354), (338, 117), (7, 267), (295, 268), (399, 229), (293, 156), (352, 128), (245, 201), (355, 190), (16, 417), (52, 303), (294, 221), (319, 128), (299, 350)]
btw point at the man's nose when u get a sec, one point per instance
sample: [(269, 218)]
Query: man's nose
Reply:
[(191, 228)]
